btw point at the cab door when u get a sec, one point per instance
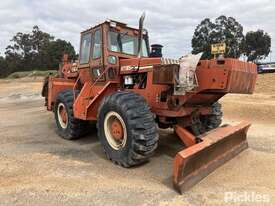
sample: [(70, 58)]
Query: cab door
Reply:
[(91, 72), (96, 62), (91, 57)]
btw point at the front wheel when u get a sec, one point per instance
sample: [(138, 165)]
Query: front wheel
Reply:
[(126, 129)]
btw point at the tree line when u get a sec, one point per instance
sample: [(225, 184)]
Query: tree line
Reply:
[(255, 45), (36, 50)]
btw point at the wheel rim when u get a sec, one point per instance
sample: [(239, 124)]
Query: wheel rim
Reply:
[(62, 115), (115, 130)]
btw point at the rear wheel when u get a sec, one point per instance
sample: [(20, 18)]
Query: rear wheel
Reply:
[(126, 129), (214, 119), (68, 127)]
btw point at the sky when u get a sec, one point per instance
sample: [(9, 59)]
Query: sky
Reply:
[(169, 22)]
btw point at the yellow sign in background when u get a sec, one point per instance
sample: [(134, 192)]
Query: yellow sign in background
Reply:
[(218, 48)]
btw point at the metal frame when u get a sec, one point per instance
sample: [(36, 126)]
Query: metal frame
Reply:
[(215, 79)]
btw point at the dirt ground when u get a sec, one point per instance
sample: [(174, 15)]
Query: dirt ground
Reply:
[(39, 168)]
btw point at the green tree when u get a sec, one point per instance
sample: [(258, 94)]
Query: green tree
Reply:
[(40, 44), (3, 67), (224, 29), (35, 50), (230, 31), (202, 39), (256, 45), (13, 59), (57, 49)]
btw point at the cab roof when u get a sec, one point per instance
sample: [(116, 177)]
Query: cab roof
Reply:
[(108, 21)]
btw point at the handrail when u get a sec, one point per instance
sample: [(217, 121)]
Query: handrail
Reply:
[(75, 85), (105, 70)]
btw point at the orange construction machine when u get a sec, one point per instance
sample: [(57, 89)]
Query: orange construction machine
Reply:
[(131, 91)]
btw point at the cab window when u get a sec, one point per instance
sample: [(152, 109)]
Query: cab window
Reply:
[(85, 48), (97, 44), (124, 43)]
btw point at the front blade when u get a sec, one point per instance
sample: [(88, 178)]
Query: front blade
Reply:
[(195, 162)]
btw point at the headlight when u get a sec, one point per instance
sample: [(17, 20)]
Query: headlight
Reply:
[(112, 59)]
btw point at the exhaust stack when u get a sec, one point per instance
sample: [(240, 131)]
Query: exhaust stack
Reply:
[(140, 34)]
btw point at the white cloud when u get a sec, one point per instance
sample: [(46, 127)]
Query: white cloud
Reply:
[(170, 23)]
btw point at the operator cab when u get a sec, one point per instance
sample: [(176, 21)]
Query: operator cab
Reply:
[(102, 46)]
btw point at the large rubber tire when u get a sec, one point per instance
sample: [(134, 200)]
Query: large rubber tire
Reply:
[(213, 120), (142, 136), (75, 128)]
